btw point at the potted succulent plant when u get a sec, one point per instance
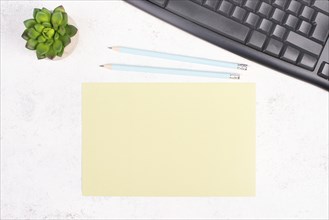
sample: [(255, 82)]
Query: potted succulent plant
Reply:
[(48, 32)]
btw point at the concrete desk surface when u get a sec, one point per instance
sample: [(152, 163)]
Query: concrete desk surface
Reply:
[(41, 123)]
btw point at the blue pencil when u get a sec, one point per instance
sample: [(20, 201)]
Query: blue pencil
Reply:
[(182, 58), (172, 71)]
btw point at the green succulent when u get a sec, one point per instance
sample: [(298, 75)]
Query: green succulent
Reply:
[(48, 32)]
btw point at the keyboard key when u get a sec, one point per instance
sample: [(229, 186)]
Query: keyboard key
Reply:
[(211, 4), (307, 13), (267, 1), (159, 2), (306, 2), (237, 2), (265, 26), (304, 43), (213, 20), (252, 19), (279, 3), (294, 7), (257, 40), (291, 22), (322, 5), (274, 47), (304, 28), (265, 9), (321, 30), (308, 62), (198, 1), (251, 4), (279, 32), (278, 15), (225, 7), (324, 70), (290, 55), (239, 13)]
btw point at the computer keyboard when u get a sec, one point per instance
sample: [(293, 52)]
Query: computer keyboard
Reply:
[(287, 35)]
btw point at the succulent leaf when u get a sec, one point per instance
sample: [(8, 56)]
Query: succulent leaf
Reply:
[(44, 32), (61, 30), (35, 11), (29, 23), (25, 35), (56, 19), (57, 46), (39, 27), (47, 25), (71, 30), (31, 44), (56, 36), (51, 54), (41, 56), (46, 11), (42, 17), (32, 33), (49, 42), (60, 9), (41, 39), (65, 19), (60, 54), (42, 48), (66, 40), (50, 33)]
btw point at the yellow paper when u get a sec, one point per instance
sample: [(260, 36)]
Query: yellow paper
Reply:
[(168, 139)]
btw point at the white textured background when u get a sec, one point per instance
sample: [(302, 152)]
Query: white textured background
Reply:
[(41, 126)]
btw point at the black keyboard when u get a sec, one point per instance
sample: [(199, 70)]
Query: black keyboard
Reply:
[(290, 36)]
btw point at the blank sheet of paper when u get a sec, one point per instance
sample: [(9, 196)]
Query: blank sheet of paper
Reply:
[(168, 139)]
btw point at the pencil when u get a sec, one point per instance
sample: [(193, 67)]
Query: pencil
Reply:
[(182, 58), (172, 71)]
